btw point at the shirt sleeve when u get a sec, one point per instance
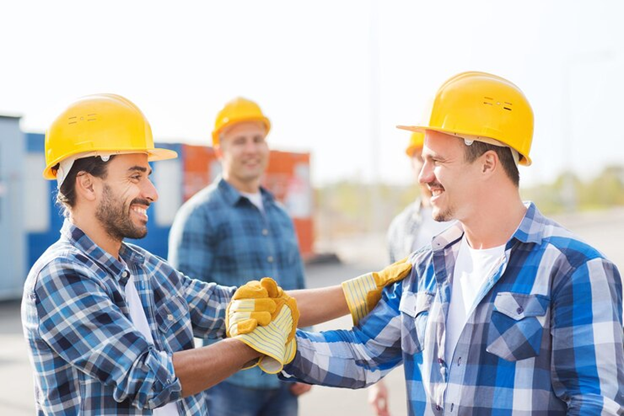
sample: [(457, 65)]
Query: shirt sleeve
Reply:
[(78, 320), (587, 352), (207, 306), (355, 358), (191, 243)]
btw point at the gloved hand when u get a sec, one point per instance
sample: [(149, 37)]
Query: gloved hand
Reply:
[(249, 307), (364, 292), (276, 339)]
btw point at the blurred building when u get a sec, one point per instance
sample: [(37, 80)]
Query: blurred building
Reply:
[(30, 221)]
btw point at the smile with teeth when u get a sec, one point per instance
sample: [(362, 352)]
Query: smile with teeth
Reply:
[(141, 211)]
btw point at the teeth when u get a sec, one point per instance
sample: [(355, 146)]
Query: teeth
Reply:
[(141, 211)]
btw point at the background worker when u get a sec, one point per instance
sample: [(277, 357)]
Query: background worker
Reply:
[(507, 312), (409, 231), (109, 326), (233, 231)]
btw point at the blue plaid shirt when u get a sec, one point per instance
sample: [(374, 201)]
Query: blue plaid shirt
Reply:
[(544, 336), (89, 358), (220, 236)]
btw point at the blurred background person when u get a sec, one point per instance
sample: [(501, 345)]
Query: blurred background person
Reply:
[(409, 231), (235, 230)]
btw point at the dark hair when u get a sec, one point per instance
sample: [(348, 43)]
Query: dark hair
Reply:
[(66, 196), (477, 148)]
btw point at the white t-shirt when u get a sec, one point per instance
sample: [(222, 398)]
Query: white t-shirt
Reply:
[(255, 199), (137, 315), (472, 269)]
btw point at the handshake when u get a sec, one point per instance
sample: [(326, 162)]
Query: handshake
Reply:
[(265, 318)]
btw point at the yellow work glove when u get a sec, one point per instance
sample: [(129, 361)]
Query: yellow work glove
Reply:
[(363, 292), (250, 306), (270, 338), (268, 363)]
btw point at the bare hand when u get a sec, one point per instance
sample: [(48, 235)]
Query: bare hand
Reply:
[(297, 389), (378, 398)]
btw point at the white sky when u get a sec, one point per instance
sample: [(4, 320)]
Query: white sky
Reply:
[(310, 65)]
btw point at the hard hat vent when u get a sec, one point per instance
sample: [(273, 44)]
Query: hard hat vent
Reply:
[(75, 119), (490, 101)]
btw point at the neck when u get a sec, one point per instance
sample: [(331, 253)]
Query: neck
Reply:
[(94, 230), (251, 186), (495, 220)]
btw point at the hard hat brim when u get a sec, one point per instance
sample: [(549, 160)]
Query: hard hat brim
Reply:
[(152, 156), (525, 160)]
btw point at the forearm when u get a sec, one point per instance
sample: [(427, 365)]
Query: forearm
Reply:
[(320, 305), (201, 368)]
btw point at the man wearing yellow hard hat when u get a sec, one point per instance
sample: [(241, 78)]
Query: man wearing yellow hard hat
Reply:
[(235, 230), (109, 326), (506, 312)]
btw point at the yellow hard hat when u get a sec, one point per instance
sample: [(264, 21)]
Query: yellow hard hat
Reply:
[(481, 106), (417, 139), (99, 124), (237, 110)]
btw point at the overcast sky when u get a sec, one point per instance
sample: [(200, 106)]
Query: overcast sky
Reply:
[(335, 77)]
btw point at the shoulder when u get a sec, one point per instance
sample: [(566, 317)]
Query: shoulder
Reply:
[(60, 263), (405, 217)]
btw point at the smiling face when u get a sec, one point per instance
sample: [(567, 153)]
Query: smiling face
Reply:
[(244, 155), (126, 194), (449, 177)]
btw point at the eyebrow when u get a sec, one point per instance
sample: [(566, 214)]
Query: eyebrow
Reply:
[(140, 169)]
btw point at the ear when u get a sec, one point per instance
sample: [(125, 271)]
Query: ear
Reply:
[(86, 186), (218, 152), (490, 162)]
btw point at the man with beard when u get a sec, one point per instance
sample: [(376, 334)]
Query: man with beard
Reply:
[(237, 218), (110, 326), (507, 312)]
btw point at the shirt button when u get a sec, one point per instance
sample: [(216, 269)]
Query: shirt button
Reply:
[(438, 407), (265, 232), (124, 274), (170, 317), (270, 259), (520, 309), (440, 361), (459, 361)]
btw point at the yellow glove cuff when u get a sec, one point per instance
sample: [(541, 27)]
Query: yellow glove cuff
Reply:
[(356, 294)]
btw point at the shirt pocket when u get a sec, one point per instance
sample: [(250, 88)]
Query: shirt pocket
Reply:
[(414, 308), (173, 321), (515, 330)]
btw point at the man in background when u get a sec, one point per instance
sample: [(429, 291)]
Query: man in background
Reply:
[(233, 231), (412, 229)]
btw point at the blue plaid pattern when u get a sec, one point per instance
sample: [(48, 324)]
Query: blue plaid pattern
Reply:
[(220, 236), (545, 337), (88, 357)]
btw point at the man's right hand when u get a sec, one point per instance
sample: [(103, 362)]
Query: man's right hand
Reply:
[(275, 339)]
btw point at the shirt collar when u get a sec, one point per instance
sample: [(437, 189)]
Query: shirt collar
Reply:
[(233, 197), (116, 267), (530, 230)]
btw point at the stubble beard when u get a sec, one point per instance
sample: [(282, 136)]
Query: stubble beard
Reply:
[(115, 218)]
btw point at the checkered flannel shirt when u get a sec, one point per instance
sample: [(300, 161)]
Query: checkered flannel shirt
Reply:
[(544, 336), (88, 357)]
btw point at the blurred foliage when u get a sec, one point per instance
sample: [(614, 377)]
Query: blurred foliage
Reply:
[(349, 207)]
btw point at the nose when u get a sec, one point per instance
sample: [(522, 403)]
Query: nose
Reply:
[(426, 173), (149, 191)]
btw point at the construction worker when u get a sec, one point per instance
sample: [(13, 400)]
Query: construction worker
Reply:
[(409, 231), (109, 326), (507, 312), (236, 218)]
